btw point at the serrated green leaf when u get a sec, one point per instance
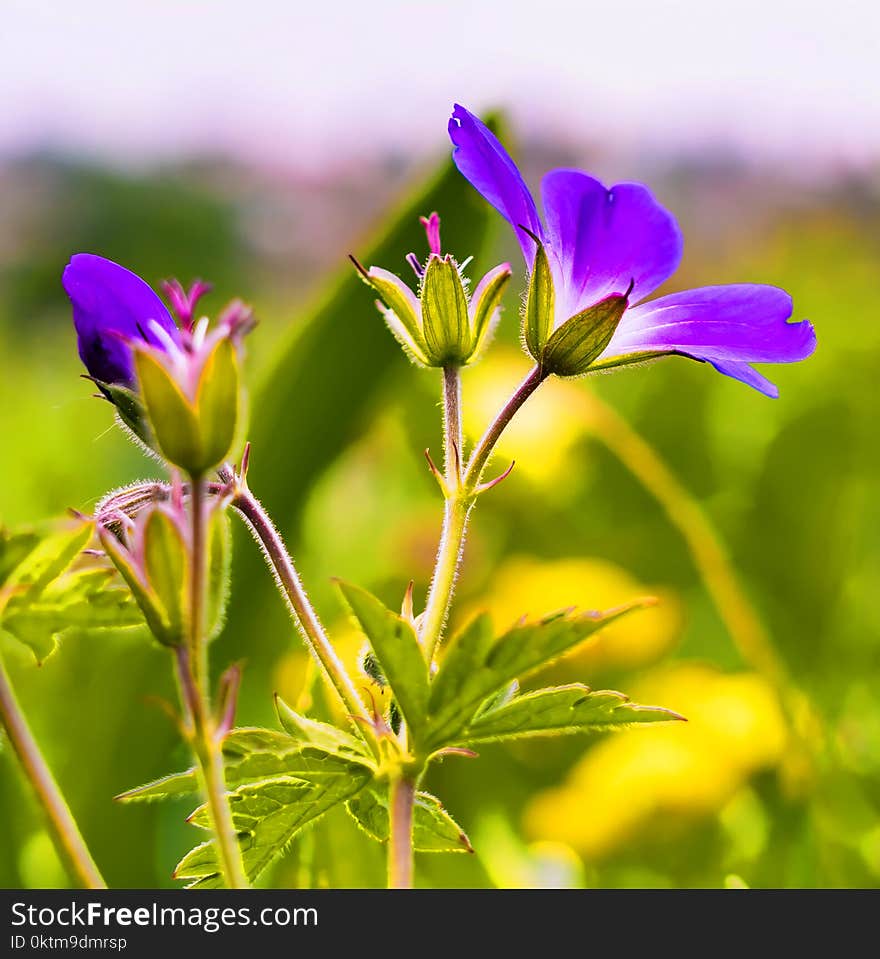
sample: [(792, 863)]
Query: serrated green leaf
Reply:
[(267, 815), (539, 308), (434, 830), (322, 735), (397, 648), (477, 666), (558, 710), (252, 754)]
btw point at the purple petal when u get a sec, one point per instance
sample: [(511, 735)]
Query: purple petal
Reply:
[(729, 326), (111, 305), (483, 161), (603, 239)]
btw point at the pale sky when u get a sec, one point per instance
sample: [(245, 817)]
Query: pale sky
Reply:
[(291, 82)]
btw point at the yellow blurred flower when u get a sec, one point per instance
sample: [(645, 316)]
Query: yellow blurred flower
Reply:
[(735, 728), (524, 585)]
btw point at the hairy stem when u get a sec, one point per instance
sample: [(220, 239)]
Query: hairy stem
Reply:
[(304, 615), (456, 509), (206, 746), (192, 667), (483, 449), (400, 841), (65, 834)]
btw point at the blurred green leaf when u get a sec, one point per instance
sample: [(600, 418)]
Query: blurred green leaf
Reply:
[(85, 600), (434, 830), (562, 709), (397, 648), (477, 665)]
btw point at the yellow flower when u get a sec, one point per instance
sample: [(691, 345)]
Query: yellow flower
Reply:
[(634, 779)]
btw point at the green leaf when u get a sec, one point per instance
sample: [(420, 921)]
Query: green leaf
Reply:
[(445, 313), (562, 709), (251, 755), (434, 830), (39, 565), (581, 338), (539, 308), (267, 815), (14, 546), (322, 735), (477, 666), (397, 648), (44, 563), (87, 599)]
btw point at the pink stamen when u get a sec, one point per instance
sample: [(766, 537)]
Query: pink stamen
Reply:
[(183, 302), (432, 229)]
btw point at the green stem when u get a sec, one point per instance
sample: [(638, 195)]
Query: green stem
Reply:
[(401, 802), (456, 509), (65, 834), (192, 670), (483, 449)]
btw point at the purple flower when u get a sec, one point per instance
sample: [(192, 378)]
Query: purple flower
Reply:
[(112, 308), (601, 241)]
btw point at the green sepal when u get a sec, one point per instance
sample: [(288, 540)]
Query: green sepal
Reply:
[(403, 322), (397, 648), (445, 318), (558, 710), (485, 306), (129, 409), (433, 829), (219, 571), (167, 571), (172, 417), (146, 599), (581, 338), (218, 403), (540, 303)]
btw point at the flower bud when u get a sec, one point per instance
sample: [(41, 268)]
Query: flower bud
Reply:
[(194, 429), (152, 554), (443, 325)]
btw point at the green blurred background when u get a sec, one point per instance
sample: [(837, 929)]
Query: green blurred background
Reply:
[(755, 522)]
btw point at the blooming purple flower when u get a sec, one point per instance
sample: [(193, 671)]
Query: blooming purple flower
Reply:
[(112, 308), (601, 241)]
